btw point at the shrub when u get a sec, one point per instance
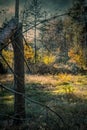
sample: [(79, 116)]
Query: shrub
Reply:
[(48, 59), (77, 56)]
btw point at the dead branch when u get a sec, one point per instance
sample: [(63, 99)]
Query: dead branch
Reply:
[(8, 31)]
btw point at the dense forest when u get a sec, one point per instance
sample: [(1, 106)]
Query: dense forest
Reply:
[(43, 67)]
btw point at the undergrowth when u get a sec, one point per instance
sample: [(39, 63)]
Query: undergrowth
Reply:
[(65, 95)]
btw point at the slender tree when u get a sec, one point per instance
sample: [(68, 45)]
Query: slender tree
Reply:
[(33, 13)]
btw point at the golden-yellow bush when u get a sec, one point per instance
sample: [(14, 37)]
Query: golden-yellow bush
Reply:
[(77, 56), (28, 52), (48, 59), (8, 54)]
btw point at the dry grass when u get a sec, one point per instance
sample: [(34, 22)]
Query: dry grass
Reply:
[(61, 82), (6, 78), (47, 79), (58, 84)]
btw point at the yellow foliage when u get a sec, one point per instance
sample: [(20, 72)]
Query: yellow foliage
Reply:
[(65, 78), (77, 56), (48, 59), (28, 52), (8, 54)]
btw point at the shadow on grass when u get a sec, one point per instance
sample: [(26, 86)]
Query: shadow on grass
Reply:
[(70, 107)]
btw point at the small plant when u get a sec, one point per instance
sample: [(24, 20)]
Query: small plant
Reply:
[(65, 79), (68, 89)]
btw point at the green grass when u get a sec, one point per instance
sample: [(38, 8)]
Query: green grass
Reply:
[(65, 94)]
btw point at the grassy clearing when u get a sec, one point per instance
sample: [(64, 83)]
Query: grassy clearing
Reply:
[(65, 94)]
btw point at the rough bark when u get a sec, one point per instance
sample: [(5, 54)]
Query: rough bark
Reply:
[(12, 32), (19, 104)]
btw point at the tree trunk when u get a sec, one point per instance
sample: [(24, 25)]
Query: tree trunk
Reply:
[(19, 104)]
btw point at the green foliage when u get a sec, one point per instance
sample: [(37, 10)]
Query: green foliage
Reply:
[(76, 11)]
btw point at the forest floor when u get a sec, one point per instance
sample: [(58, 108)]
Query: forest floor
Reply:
[(65, 94)]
